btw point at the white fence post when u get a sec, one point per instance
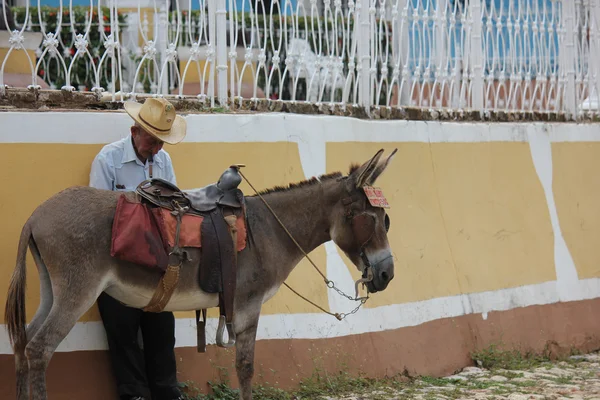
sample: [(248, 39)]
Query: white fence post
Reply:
[(363, 49), (232, 54), (476, 54), (567, 60), (129, 48), (594, 35), (161, 46), (221, 46), (592, 102), (210, 50), (440, 53), (400, 46)]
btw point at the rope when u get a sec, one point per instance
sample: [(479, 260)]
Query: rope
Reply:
[(337, 315), (327, 281)]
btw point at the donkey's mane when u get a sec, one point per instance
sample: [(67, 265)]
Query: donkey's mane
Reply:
[(301, 184), (353, 168), (308, 182)]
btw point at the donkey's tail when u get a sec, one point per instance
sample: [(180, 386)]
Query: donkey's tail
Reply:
[(14, 312)]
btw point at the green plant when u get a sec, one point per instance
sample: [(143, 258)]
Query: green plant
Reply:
[(70, 24), (494, 357)]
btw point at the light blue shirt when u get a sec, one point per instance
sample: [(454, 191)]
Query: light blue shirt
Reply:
[(117, 167)]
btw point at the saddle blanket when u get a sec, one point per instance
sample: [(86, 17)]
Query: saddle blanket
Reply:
[(145, 234)]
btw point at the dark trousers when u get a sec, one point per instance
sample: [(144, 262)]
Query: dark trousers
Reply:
[(140, 372)]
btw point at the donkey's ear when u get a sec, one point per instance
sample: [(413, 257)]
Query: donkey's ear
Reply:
[(363, 173), (380, 168)]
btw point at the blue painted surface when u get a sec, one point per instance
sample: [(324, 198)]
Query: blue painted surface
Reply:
[(505, 50)]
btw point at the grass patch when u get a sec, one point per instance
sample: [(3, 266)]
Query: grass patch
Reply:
[(483, 384), (316, 386), (502, 390), (509, 374), (219, 109), (220, 391), (430, 381), (494, 358), (321, 384), (525, 384), (561, 380)]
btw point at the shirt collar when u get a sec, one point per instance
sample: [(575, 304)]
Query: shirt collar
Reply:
[(129, 153)]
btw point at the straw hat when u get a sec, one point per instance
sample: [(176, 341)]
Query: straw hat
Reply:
[(157, 117)]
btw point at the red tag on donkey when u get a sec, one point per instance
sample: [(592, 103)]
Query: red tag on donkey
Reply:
[(376, 197)]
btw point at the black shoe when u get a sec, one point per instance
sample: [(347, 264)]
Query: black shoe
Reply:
[(132, 398)]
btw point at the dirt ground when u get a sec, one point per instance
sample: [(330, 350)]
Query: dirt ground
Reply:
[(578, 377)]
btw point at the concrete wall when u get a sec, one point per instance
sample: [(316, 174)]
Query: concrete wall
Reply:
[(494, 228)]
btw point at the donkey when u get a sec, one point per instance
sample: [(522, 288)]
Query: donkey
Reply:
[(69, 237)]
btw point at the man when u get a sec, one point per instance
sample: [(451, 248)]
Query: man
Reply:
[(121, 166)]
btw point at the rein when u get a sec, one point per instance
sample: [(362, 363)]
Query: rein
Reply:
[(330, 284)]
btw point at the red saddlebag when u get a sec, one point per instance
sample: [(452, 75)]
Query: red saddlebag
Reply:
[(136, 234)]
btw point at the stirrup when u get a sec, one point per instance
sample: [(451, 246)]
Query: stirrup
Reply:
[(230, 333)]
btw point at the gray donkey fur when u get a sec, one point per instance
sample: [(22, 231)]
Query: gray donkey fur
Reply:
[(69, 236)]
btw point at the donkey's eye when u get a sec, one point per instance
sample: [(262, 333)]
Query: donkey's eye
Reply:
[(387, 223)]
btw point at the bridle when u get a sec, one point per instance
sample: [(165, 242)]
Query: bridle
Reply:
[(363, 229), (357, 220)]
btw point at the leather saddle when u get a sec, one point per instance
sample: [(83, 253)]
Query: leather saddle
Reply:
[(220, 204), (223, 193)]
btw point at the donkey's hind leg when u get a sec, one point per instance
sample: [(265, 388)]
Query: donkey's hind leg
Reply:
[(69, 304), (21, 363)]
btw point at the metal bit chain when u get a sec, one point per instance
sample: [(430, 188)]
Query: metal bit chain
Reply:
[(363, 300), (331, 285)]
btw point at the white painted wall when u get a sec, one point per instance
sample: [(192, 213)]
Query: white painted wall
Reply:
[(312, 133)]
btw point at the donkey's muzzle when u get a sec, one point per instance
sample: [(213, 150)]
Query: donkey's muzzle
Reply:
[(383, 273)]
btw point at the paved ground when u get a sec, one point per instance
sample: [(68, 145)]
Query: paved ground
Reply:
[(576, 378)]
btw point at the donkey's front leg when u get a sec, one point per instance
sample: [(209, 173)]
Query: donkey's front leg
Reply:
[(245, 359)]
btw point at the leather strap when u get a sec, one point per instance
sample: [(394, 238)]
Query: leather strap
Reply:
[(210, 265), (226, 257), (229, 272), (201, 330), (164, 290), (168, 282)]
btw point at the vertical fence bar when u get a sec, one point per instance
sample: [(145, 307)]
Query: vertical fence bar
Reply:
[(114, 45), (374, 45), (591, 39), (363, 49), (212, 9), (440, 54), (221, 48), (161, 45), (476, 54), (459, 61), (567, 60), (232, 50), (594, 38)]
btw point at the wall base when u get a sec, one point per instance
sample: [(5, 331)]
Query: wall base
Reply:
[(436, 348)]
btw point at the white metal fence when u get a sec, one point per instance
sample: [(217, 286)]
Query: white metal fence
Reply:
[(483, 55)]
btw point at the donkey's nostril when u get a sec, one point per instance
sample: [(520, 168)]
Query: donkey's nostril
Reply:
[(384, 276)]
